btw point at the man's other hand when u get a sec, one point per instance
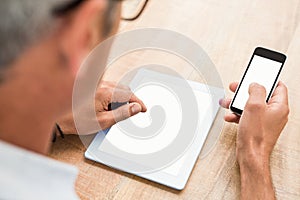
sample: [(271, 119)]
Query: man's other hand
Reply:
[(106, 94), (261, 123), (259, 128)]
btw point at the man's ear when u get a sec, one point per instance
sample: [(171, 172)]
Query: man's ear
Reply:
[(77, 32)]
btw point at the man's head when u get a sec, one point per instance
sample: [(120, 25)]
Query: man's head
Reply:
[(61, 32), (24, 21), (43, 44)]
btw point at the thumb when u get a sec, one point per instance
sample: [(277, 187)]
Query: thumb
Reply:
[(126, 111), (257, 91), (257, 95)]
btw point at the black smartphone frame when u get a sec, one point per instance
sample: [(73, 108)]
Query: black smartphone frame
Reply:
[(266, 53)]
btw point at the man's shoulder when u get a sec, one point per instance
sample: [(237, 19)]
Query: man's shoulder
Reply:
[(25, 174)]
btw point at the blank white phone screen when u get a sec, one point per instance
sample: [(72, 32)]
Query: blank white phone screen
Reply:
[(262, 71)]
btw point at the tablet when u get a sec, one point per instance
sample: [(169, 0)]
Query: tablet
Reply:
[(176, 173)]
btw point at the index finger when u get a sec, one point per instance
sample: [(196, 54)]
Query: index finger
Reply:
[(233, 86), (115, 85), (126, 95), (134, 98)]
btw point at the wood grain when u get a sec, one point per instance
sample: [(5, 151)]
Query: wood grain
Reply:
[(228, 31)]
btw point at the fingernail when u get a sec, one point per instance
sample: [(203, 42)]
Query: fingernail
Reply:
[(220, 102), (254, 84), (136, 108)]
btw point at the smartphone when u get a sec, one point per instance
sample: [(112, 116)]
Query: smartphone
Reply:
[(264, 68)]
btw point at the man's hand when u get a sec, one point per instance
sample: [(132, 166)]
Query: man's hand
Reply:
[(106, 94), (259, 128)]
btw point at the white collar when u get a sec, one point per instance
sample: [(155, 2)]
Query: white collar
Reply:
[(28, 175)]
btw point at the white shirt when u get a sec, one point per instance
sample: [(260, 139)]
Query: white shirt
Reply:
[(27, 175)]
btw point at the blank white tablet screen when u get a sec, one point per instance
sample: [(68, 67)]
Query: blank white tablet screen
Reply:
[(153, 95)]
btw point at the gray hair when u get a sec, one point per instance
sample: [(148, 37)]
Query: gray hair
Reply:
[(21, 23)]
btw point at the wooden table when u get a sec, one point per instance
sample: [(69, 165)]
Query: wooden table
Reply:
[(228, 31)]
